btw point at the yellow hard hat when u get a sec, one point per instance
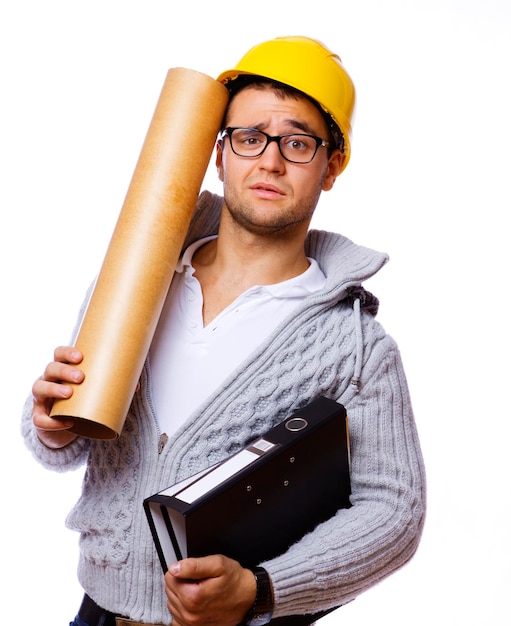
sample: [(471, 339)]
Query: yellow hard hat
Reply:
[(307, 65)]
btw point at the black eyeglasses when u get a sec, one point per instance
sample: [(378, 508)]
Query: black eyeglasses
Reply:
[(250, 143)]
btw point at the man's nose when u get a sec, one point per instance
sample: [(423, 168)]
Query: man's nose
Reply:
[(272, 156)]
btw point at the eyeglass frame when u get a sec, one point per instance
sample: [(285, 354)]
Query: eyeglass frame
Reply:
[(277, 139)]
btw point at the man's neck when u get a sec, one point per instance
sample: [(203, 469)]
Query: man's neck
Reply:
[(231, 264)]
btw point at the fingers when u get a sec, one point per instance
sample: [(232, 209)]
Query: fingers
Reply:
[(51, 386), (68, 354), (63, 367), (209, 590), (62, 370)]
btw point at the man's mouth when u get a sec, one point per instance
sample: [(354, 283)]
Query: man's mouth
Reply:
[(267, 190)]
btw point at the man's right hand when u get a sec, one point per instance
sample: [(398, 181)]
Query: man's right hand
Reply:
[(51, 386)]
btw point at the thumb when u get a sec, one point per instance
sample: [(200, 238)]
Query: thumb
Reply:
[(193, 568)]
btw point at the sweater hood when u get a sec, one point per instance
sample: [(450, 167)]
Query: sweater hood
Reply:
[(346, 266)]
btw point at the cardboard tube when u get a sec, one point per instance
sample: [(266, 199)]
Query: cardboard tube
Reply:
[(131, 287)]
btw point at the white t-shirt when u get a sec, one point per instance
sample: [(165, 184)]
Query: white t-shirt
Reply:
[(189, 360)]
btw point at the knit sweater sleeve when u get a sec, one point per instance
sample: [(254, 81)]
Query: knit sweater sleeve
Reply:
[(362, 545), (71, 456)]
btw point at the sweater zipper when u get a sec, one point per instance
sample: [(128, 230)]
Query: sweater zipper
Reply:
[(162, 437), (162, 442)]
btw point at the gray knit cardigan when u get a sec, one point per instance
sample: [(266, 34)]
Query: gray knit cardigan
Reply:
[(331, 345)]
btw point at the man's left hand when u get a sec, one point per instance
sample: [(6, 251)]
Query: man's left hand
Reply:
[(211, 590)]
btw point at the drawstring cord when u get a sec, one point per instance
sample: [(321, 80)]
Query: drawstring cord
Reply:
[(355, 380), (360, 298)]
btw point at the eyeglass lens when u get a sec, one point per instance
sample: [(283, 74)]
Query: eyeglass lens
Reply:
[(249, 142)]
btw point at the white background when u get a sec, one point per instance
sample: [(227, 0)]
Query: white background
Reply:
[(428, 183)]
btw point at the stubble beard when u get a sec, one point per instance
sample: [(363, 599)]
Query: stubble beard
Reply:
[(279, 225)]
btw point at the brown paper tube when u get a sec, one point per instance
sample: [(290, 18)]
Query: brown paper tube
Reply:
[(133, 282)]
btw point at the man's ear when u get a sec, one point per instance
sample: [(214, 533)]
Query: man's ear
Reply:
[(333, 169), (218, 161)]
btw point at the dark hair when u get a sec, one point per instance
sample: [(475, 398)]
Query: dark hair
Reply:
[(336, 137)]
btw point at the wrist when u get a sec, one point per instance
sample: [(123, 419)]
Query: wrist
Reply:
[(262, 609)]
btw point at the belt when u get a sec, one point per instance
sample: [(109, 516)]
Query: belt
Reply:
[(94, 615), (120, 621)]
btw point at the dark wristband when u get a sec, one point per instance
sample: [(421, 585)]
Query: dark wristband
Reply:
[(262, 609)]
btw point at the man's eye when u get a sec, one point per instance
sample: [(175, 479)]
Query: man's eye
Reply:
[(296, 144), (248, 139)]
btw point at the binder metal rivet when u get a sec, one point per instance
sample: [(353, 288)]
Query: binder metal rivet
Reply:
[(296, 423), (286, 483), (258, 501), (292, 459), (249, 487)]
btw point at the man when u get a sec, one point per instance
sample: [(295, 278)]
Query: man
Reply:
[(262, 317)]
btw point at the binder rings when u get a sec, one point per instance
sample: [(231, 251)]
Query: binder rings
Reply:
[(254, 505)]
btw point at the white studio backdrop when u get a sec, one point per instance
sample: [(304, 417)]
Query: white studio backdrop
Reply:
[(428, 183)]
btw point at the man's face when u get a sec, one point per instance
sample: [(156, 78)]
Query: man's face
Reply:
[(268, 195)]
